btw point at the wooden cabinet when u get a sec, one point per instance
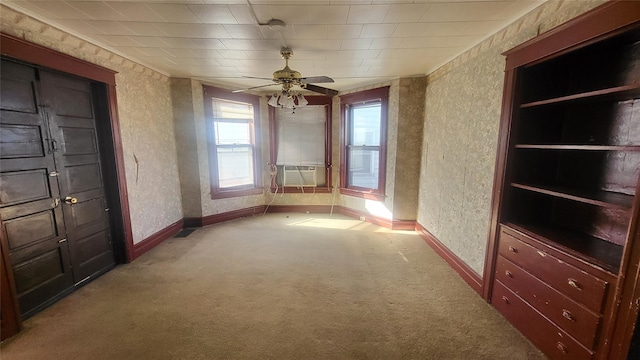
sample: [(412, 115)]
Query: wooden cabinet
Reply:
[(562, 262)]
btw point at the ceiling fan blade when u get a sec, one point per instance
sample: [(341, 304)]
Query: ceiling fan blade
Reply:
[(320, 89), (316, 79), (251, 88), (253, 77)]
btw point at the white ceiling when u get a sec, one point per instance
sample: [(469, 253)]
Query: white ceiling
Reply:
[(355, 42)]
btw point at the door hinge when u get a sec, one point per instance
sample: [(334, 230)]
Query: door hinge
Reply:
[(54, 145), (62, 241)]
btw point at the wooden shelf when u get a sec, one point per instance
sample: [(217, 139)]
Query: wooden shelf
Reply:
[(579, 147), (626, 91), (601, 253), (600, 198)]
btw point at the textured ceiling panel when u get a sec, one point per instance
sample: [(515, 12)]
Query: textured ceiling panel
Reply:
[(356, 42)]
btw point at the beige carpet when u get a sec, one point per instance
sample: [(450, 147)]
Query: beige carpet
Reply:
[(282, 286)]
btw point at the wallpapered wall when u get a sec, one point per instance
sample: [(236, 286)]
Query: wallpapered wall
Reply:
[(146, 119), (187, 149), (462, 115)]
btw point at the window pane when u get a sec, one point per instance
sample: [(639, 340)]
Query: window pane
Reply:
[(365, 128), (235, 166), (229, 133), (364, 168)]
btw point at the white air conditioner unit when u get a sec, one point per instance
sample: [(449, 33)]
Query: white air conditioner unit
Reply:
[(299, 176)]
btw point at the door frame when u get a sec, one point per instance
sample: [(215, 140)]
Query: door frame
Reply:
[(105, 85)]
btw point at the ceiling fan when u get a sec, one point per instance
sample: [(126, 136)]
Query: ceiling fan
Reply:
[(289, 78)]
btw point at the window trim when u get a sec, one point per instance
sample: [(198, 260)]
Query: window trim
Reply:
[(378, 94), (273, 149), (209, 93)]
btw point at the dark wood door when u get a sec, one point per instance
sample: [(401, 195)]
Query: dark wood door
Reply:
[(52, 199), (69, 107), (30, 206)]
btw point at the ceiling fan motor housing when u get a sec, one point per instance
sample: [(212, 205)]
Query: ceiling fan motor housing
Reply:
[(287, 74)]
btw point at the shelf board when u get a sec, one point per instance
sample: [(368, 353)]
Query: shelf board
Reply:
[(600, 198), (579, 147), (591, 249), (626, 90)]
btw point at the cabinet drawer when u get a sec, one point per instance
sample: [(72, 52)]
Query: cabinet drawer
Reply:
[(569, 280), (574, 318), (553, 341)]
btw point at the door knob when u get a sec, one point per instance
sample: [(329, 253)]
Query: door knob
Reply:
[(70, 200)]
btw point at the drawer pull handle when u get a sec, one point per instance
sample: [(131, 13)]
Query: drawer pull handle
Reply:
[(574, 284), (508, 273), (505, 299), (567, 315), (562, 348), (513, 250)]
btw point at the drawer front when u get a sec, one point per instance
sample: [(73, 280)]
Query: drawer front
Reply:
[(569, 280), (553, 341), (574, 318)]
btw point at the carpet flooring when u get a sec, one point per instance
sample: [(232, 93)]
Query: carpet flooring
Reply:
[(280, 286)]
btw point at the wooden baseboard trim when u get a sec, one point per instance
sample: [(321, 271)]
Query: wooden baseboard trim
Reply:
[(155, 239), (316, 209), (231, 215), (467, 274)]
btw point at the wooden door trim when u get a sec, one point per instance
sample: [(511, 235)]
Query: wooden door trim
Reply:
[(38, 55)]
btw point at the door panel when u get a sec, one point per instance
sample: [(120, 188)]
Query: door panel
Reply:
[(18, 90), (22, 186), (30, 229), (82, 178), (29, 197), (20, 141), (42, 278), (72, 124), (79, 141)]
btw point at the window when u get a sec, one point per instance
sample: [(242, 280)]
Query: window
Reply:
[(364, 143), (301, 147), (234, 157)]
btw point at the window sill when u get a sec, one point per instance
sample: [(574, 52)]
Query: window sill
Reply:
[(362, 194), (236, 193), (307, 190)]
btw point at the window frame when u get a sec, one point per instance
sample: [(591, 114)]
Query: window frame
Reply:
[(210, 93), (273, 150), (346, 103)]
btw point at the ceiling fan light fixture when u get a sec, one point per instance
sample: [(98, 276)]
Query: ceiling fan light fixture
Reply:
[(286, 101), (302, 101), (274, 100)]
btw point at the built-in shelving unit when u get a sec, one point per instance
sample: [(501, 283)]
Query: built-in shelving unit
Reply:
[(568, 179)]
